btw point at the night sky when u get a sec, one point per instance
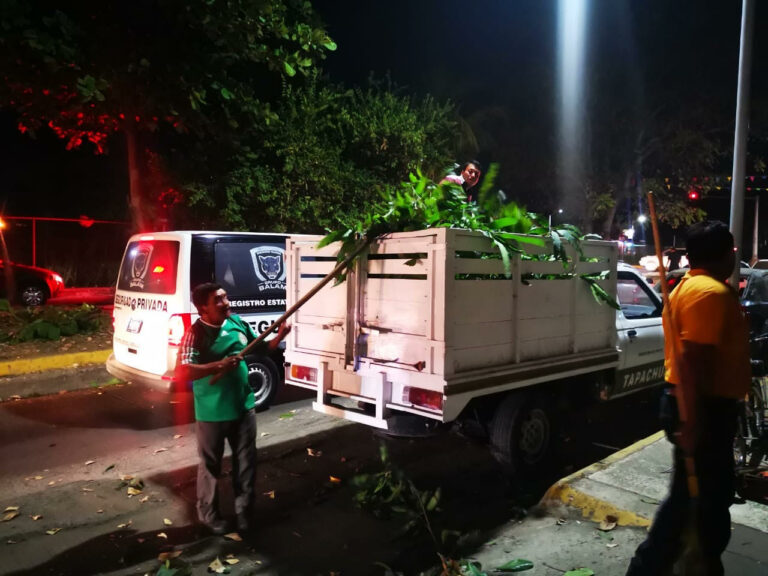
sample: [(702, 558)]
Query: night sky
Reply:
[(478, 54)]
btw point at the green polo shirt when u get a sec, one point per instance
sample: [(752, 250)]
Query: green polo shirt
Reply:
[(231, 395)]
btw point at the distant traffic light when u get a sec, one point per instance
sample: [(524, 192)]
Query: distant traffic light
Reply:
[(693, 194)]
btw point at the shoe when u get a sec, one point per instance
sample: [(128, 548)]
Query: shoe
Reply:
[(217, 527), (244, 523)]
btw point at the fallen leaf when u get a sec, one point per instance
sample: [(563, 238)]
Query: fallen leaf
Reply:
[(84, 489), (286, 415), (611, 545), (144, 499), (650, 500), (163, 556), (335, 480), (177, 436), (580, 572), (52, 482), (39, 477), (10, 516), (11, 509), (265, 434), (137, 483), (126, 524), (561, 521), (167, 522), (126, 477), (161, 450), (53, 531), (36, 516), (231, 561), (133, 491), (233, 536), (315, 453), (270, 494), (517, 565), (99, 511), (108, 468), (162, 535), (608, 523), (89, 462), (217, 567)]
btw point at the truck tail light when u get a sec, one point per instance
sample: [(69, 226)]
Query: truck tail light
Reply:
[(177, 326), (303, 373), (425, 398)]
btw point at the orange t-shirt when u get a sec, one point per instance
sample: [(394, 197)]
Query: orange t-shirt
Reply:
[(707, 311)]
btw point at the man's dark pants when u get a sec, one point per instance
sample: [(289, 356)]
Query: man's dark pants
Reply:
[(241, 435), (715, 471)]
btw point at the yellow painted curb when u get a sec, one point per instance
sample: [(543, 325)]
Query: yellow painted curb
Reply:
[(592, 507), (57, 362)]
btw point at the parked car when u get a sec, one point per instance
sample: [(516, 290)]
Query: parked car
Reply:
[(30, 285), (674, 277)]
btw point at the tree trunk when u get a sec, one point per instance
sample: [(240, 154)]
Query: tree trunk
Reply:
[(621, 195), (136, 203)]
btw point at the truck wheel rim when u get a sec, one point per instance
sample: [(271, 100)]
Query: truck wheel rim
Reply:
[(534, 435)]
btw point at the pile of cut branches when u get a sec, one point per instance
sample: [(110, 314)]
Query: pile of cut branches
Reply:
[(420, 203)]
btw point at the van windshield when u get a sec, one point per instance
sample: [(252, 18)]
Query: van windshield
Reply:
[(252, 273), (149, 266)]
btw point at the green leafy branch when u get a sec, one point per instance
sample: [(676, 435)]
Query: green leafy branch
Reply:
[(420, 203)]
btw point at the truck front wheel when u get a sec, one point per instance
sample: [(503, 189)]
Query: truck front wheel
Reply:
[(521, 433)]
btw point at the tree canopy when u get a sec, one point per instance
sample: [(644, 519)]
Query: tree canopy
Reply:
[(210, 68)]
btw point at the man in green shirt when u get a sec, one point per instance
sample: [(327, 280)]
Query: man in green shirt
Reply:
[(210, 357)]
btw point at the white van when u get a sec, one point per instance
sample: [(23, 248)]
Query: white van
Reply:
[(153, 301)]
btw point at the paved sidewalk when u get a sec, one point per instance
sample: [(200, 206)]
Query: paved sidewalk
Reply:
[(564, 534)]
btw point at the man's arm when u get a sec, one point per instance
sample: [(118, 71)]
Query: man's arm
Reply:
[(697, 368), (197, 371), (188, 367)]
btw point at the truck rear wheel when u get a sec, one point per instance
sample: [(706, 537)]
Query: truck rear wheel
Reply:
[(264, 380), (521, 433)]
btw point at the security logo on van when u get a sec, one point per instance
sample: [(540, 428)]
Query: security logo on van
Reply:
[(140, 265), (269, 267)]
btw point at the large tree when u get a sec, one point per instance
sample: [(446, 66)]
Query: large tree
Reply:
[(326, 156), (93, 69)]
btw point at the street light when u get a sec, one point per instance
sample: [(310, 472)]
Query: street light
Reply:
[(642, 219)]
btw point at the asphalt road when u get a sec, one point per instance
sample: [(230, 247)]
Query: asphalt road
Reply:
[(62, 457)]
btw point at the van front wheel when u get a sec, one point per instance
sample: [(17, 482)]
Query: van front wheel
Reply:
[(264, 380)]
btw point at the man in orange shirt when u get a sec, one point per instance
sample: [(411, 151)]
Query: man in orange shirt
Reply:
[(712, 367)]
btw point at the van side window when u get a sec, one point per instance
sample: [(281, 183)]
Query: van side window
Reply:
[(150, 266)]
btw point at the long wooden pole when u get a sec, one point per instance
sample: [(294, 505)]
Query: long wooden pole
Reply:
[(690, 465)]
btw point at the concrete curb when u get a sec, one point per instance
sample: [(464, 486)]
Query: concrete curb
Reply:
[(56, 362), (564, 492)]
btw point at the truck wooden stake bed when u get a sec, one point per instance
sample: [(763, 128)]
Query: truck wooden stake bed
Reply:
[(427, 325)]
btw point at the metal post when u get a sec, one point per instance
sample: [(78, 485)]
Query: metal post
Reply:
[(755, 257), (740, 136), (34, 241)]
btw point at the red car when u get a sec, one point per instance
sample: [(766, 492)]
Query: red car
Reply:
[(30, 285)]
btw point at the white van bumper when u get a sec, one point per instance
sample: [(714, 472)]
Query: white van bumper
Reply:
[(164, 382)]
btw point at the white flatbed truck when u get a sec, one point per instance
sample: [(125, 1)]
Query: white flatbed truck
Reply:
[(427, 328)]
